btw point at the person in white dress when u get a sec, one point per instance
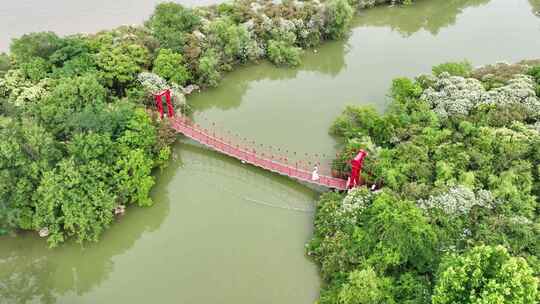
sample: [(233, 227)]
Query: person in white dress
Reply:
[(315, 174)]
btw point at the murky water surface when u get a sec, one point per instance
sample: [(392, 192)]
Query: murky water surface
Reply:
[(223, 232)]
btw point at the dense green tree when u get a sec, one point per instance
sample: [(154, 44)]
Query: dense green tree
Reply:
[(535, 72), (365, 287), (395, 234), (233, 41), (120, 65), (35, 69), (77, 66), (411, 288), (136, 148), (101, 118), (170, 23), (68, 97), (5, 63), (101, 171), (485, 275), (72, 47), (85, 147), (42, 44), (27, 152), (462, 69), (74, 200), (133, 180), (170, 65)]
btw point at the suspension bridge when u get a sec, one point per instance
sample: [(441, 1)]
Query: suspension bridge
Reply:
[(249, 153)]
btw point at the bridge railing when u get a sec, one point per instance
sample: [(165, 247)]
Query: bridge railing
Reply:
[(302, 161), (281, 164)]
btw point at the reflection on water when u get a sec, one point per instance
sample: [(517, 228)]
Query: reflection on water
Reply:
[(224, 232), (228, 95), (425, 15)]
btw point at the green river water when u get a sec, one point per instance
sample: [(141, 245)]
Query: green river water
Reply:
[(224, 232)]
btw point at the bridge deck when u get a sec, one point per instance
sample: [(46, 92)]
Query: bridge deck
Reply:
[(186, 127)]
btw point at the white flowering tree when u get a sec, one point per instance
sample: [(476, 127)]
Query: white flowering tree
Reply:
[(455, 95), (355, 203), (458, 200)]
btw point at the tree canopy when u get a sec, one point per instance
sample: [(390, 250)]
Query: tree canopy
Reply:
[(485, 275)]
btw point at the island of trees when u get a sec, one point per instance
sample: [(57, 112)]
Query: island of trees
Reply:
[(456, 220), (456, 157)]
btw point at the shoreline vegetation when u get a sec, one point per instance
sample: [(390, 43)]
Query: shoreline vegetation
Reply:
[(79, 138), (457, 220)]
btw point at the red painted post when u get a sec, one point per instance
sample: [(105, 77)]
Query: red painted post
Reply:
[(357, 164), (169, 103), (159, 105)]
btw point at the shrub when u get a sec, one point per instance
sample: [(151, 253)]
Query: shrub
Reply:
[(462, 69), (282, 53), (458, 200), (403, 90), (535, 73), (340, 14)]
